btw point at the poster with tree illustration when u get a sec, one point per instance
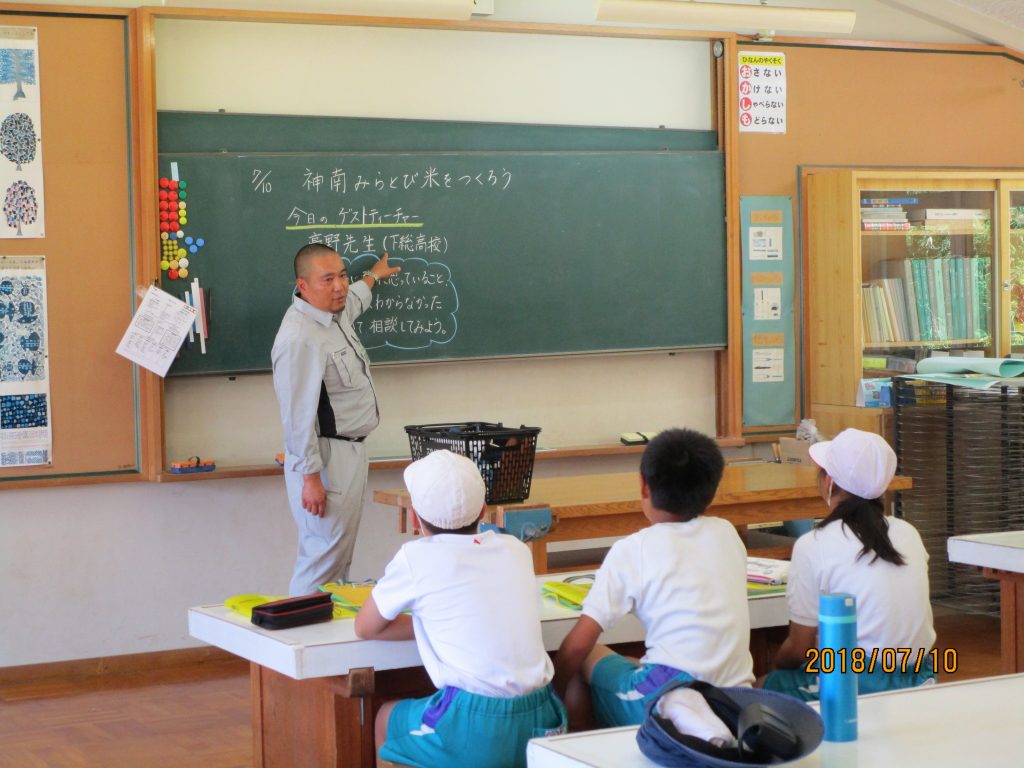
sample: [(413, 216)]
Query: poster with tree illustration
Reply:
[(21, 149)]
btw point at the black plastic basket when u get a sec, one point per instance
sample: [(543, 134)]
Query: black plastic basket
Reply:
[(504, 455)]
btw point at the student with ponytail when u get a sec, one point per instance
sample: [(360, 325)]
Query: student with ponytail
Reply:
[(857, 549)]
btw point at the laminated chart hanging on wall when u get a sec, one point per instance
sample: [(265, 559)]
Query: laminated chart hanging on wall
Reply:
[(769, 312)]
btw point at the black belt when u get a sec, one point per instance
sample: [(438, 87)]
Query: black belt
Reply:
[(347, 439)]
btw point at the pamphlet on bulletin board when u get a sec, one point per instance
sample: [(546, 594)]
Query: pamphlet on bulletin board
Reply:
[(770, 386)]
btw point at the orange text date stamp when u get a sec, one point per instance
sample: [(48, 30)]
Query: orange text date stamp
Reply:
[(889, 660)]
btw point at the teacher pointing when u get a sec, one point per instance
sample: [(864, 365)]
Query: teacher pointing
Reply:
[(328, 407)]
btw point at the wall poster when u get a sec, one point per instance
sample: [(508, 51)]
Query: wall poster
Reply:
[(26, 437)]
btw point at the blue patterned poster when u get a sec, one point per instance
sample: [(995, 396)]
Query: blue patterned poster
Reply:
[(26, 436), (21, 150)]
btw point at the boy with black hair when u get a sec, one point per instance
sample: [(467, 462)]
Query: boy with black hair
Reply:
[(476, 620), (685, 579)]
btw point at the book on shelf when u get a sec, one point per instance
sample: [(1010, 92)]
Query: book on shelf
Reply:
[(886, 226), (924, 307), (947, 293), (888, 201), (888, 363), (884, 213), (948, 214)]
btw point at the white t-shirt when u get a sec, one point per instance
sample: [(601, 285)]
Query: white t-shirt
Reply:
[(475, 610), (687, 584), (893, 608)]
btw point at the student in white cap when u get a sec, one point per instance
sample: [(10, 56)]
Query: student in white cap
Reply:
[(476, 619), (858, 550)]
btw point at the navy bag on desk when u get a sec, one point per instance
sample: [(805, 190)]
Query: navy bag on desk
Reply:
[(771, 728)]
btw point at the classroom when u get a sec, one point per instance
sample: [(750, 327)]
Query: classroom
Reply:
[(104, 550)]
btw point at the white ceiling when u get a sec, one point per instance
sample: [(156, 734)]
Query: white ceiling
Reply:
[(995, 21)]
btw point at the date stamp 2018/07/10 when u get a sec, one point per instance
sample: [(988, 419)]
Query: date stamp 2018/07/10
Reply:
[(887, 660)]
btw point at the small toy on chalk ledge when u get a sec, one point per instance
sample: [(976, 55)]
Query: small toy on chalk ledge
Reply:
[(192, 464), (279, 459)]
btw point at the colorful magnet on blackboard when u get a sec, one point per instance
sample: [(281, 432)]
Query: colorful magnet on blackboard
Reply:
[(182, 184), (163, 226), (183, 220), (173, 274), (164, 182), (163, 216), (182, 273), (165, 265), (182, 253), (188, 240), (174, 264), (164, 236), (162, 195), (173, 196), (172, 184), (182, 195), (179, 233), (181, 205), (200, 242), (182, 262), (193, 249)]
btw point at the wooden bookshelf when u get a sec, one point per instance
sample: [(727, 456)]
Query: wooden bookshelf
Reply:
[(857, 299)]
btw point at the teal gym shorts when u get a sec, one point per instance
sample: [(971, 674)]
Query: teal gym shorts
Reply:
[(804, 685), (622, 690), (459, 729)]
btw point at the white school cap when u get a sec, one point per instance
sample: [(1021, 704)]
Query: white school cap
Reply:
[(861, 463), (446, 489)]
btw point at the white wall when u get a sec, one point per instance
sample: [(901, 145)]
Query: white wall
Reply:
[(101, 570)]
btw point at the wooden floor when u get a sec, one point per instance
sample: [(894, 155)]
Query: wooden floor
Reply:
[(199, 717)]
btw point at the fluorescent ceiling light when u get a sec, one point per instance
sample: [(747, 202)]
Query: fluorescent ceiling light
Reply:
[(727, 16), (458, 10)]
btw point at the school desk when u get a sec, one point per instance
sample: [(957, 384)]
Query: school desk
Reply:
[(975, 722), (605, 505), (1000, 556), (316, 689)]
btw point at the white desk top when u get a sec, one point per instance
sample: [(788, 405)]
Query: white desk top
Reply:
[(976, 722), (332, 648), (1003, 551)]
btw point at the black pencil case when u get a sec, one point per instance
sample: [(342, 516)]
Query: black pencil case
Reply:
[(294, 611)]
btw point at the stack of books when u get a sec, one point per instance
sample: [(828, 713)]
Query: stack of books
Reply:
[(934, 299), (884, 214)]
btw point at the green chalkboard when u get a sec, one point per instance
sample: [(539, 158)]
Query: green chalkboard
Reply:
[(504, 253)]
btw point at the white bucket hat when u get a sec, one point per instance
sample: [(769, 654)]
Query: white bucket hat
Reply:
[(861, 463), (446, 489)]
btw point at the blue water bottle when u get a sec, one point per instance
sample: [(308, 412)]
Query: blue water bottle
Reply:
[(837, 637)]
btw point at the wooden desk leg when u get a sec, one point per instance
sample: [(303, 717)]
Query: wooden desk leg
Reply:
[(539, 550), (320, 723), (1011, 623)]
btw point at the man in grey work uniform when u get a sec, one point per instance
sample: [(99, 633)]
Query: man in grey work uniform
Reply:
[(328, 407)]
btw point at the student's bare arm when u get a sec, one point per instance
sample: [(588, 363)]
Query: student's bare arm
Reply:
[(793, 651), (370, 625), (574, 650)]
